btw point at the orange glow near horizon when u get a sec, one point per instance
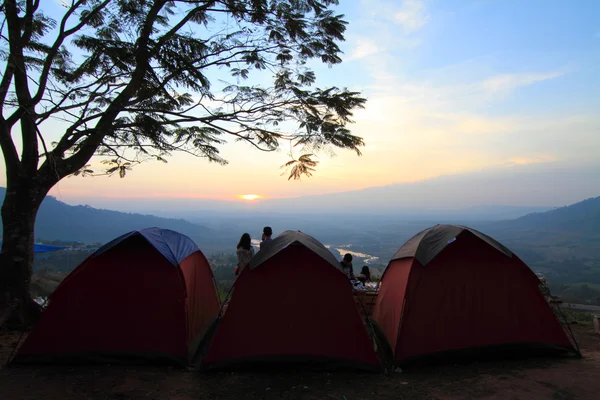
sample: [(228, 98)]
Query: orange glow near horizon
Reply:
[(61, 193), (249, 197)]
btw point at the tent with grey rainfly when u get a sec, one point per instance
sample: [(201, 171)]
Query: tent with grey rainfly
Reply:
[(451, 290), (292, 304)]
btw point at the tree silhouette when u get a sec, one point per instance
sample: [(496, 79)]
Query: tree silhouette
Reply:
[(133, 80)]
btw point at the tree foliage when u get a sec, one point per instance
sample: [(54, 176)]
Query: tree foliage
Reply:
[(133, 80)]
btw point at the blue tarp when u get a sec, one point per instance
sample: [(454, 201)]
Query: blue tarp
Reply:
[(174, 246), (44, 248)]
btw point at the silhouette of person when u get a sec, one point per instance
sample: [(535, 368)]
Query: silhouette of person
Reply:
[(266, 235), (244, 252), (365, 275), (346, 264)]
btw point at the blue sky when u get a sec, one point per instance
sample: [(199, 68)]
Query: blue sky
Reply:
[(453, 87)]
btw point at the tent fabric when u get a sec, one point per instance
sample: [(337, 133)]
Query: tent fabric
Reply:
[(427, 244), (126, 303), (293, 309), (470, 296), (289, 238), (43, 248), (174, 246)]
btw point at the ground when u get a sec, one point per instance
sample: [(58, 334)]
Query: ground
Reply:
[(532, 379)]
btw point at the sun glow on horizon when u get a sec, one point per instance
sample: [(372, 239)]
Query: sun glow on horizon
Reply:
[(249, 197)]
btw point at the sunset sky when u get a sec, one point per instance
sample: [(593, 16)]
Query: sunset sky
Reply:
[(453, 86)]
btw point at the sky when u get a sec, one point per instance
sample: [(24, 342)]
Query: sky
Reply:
[(454, 87)]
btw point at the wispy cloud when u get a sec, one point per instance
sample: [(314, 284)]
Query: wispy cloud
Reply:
[(508, 82), (417, 140), (364, 47), (451, 118), (440, 91), (533, 159), (412, 15), (390, 25)]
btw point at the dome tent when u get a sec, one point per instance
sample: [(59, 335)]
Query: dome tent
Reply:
[(451, 289), (292, 304), (148, 295)]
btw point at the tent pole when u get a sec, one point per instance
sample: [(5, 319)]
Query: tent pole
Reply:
[(562, 320)]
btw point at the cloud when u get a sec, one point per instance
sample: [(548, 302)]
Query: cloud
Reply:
[(507, 82), (418, 126), (386, 27), (411, 141), (364, 47), (412, 15), (534, 159), (441, 91), (393, 23)]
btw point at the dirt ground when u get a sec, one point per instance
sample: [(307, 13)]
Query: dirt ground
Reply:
[(532, 379)]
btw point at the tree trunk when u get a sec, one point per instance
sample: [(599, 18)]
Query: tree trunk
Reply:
[(19, 210)]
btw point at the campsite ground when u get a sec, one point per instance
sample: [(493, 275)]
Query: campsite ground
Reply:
[(556, 379)]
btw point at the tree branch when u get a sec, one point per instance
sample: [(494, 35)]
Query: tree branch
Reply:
[(104, 125), (16, 56), (244, 138), (11, 157), (5, 84), (30, 10), (164, 38), (62, 35)]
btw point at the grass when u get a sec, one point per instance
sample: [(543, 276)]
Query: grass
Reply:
[(578, 317), (45, 282)]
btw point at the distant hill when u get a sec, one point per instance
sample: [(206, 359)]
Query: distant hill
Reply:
[(563, 245), (560, 234), (582, 217), (444, 197), (59, 221)]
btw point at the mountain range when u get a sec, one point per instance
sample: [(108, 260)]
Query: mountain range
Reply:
[(495, 193), (541, 186), (560, 233), (583, 217), (59, 221), (562, 243)]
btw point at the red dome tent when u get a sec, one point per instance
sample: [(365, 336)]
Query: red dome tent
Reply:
[(453, 288), (147, 295), (291, 304)]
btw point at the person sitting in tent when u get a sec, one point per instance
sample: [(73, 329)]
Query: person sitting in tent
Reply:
[(365, 275), (244, 252), (266, 235), (347, 266)]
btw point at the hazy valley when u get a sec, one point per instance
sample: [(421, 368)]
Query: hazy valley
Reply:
[(563, 244)]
